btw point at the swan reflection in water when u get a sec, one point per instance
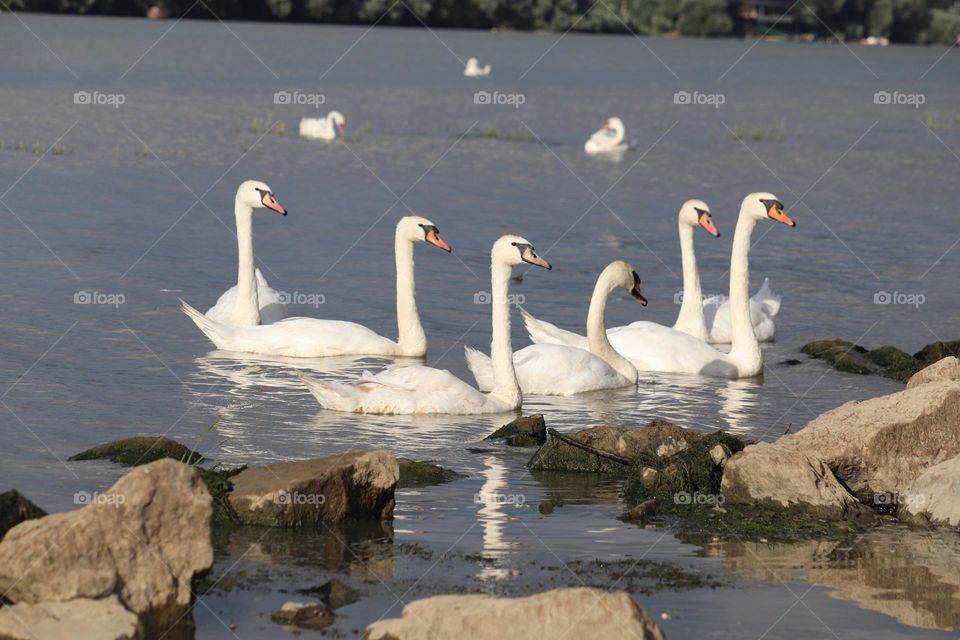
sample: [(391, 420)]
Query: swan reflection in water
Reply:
[(495, 501)]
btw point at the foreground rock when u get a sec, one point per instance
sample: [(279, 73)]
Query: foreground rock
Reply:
[(528, 431), (143, 540), (81, 619), (881, 445), (14, 509), (348, 486), (935, 494), (571, 613), (778, 476), (620, 442), (300, 615), (947, 369), (423, 474), (140, 450)]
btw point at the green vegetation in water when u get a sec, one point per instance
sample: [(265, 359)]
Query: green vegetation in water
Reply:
[(758, 133), (689, 471), (140, 450), (640, 576), (887, 360), (356, 136), (519, 135), (423, 474), (218, 482), (753, 522), (268, 125)]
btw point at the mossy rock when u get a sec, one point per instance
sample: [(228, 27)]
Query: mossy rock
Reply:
[(14, 509), (843, 355), (818, 348), (692, 470), (897, 364), (758, 521), (938, 351), (219, 484), (527, 431), (140, 450), (423, 474)]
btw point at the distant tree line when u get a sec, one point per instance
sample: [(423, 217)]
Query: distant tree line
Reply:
[(918, 21)]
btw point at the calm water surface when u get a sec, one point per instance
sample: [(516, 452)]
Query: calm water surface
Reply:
[(139, 204)]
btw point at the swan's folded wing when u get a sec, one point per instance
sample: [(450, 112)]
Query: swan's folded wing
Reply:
[(543, 332), (552, 369), (481, 368)]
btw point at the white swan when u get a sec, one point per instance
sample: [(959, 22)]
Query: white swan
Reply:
[(560, 370), (608, 138), (419, 389), (323, 128), (314, 338), (764, 307), (474, 70), (251, 301), (653, 347)]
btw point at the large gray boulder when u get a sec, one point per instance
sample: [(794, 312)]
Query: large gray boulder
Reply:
[(81, 619), (947, 369), (562, 613), (935, 494), (882, 444), (784, 477), (143, 540), (348, 486)]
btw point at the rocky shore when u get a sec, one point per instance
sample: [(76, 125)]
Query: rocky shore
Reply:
[(129, 563)]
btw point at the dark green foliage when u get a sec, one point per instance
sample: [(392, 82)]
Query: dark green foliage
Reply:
[(925, 21), (691, 471)]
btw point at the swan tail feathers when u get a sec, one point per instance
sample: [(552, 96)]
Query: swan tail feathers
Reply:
[(543, 332), (338, 397), (768, 299), (214, 330), (481, 368)]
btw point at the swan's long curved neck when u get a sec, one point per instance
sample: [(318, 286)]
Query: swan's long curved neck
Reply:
[(597, 331), (246, 309), (745, 350), (619, 134), (412, 339), (505, 385), (690, 319)]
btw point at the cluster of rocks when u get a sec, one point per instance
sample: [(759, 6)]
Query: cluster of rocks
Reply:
[(889, 361)]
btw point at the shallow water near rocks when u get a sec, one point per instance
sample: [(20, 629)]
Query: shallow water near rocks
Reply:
[(878, 214)]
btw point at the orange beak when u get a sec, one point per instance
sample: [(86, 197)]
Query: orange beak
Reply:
[(777, 213), (433, 237), (707, 223), (270, 202)]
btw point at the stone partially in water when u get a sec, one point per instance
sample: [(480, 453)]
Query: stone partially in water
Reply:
[(896, 363), (333, 593), (302, 615), (14, 509), (348, 486), (527, 431), (581, 612), (140, 450), (778, 476), (843, 355), (145, 540), (423, 474), (938, 350), (79, 619)]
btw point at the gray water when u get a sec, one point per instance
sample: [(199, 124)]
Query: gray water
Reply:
[(114, 210)]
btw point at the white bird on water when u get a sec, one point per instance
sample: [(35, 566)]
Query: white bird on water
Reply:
[(323, 128), (474, 70), (610, 138)]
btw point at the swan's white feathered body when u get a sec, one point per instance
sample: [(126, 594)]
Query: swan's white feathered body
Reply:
[(609, 138), (425, 390), (764, 307), (561, 370), (323, 128), (315, 337), (474, 70), (272, 306)]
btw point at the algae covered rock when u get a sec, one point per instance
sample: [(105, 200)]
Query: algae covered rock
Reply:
[(938, 350), (527, 431), (14, 509), (843, 355), (423, 474), (896, 363), (140, 450)]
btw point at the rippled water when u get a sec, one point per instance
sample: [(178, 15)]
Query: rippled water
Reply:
[(872, 188)]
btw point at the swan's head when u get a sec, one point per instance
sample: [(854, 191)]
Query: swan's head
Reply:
[(417, 229), (472, 63), (762, 205), (623, 275), (257, 195), (696, 213), (338, 120), (514, 250), (613, 124)]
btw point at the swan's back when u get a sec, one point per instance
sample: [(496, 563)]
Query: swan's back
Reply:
[(653, 347)]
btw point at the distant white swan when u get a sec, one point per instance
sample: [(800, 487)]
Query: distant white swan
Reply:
[(474, 70), (251, 301), (323, 128), (315, 338), (424, 390), (609, 138), (653, 347), (561, 370)]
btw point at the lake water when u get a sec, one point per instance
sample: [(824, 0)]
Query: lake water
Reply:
[(115, 210)]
